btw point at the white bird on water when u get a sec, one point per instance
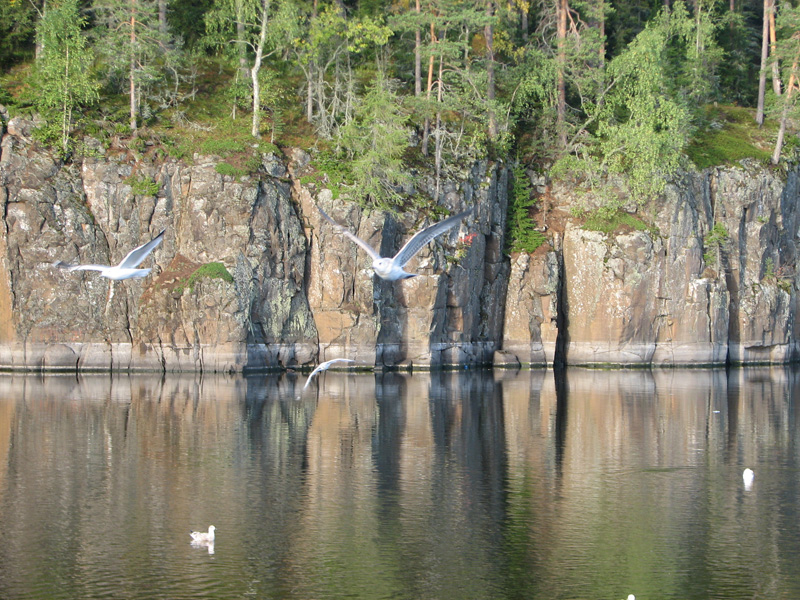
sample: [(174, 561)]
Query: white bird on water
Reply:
[(391, 269), (125, 269), (747, 477), (203, 537), (324, 367)]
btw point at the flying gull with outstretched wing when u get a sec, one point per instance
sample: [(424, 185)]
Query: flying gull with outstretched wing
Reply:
[(391, 269), (125, 269)]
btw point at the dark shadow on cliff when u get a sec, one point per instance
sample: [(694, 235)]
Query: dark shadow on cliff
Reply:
[(389, 303)]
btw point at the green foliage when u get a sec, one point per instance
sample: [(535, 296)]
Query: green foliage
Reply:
[(522, 234), (228, 169), (729, 134), (609, 222), (222, 146), (17, 31), (644, 124), (135, 49), (702, 55), (632, 99), (212, 270), (374, 142), (141, 185), (329, 172), (714, 242), (64, 81)]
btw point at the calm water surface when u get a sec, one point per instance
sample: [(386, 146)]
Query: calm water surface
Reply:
[(590, 484)]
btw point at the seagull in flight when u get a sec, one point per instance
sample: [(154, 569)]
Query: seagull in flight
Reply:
[(125, 269), (324, 367), (391, 269)]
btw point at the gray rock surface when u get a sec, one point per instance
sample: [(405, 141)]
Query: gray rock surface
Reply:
[(294, 291)]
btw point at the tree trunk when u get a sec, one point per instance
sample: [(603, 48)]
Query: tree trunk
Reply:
[(37, 54), (523, 22), (776, 155), (310, 92), (438, 132), (601, 25), (241, 45), (776, 70), (732, 10), (162, 16), (418, 57), (257, 67), (490, 85), (427, 127), (762, 74), (561, 59), (132, 73), (66, 114)]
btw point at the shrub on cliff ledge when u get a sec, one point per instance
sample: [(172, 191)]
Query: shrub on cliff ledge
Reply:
[(522, 233)]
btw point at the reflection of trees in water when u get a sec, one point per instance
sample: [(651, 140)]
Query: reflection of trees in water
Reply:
[(442, 484)]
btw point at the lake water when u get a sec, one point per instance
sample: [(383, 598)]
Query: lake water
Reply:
[(473, 484)]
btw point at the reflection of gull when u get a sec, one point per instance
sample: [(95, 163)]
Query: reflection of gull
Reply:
[(202, 537), (324, 367), (747, 476), (208, 545), (392, 268), (125, 269)]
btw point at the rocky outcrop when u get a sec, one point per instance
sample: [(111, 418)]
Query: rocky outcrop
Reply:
[(712, 280), (292, 292), (250, 277)]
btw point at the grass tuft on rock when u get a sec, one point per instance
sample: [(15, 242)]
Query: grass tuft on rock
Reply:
[(213, 270)]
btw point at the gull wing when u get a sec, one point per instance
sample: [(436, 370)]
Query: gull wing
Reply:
[(62, 265), (351, 235), (421, 238), (137, 255)]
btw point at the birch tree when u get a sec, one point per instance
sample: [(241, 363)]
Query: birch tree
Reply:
[(64, 79), (243, 24)]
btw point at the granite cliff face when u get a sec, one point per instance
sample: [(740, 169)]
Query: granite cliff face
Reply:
[(294, 291), (682, 292)]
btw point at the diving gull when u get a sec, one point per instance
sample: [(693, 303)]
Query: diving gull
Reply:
[(391, 269), (324, 367)]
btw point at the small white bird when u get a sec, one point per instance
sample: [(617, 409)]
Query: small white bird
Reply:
[(324, 367), (203, 537), (125, 269), (747, 476), (391, 269)]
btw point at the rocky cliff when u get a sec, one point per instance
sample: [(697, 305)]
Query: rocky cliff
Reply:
[(711, 280), (249, 276)]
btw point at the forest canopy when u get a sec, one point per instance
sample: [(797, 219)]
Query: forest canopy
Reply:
[(634, 89)]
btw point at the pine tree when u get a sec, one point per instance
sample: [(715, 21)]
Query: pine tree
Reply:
[(131, 40)]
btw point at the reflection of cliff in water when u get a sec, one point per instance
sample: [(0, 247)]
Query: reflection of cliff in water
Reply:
[(459, 484)]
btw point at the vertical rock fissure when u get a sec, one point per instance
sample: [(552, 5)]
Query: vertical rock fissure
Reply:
[(562, 317)]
